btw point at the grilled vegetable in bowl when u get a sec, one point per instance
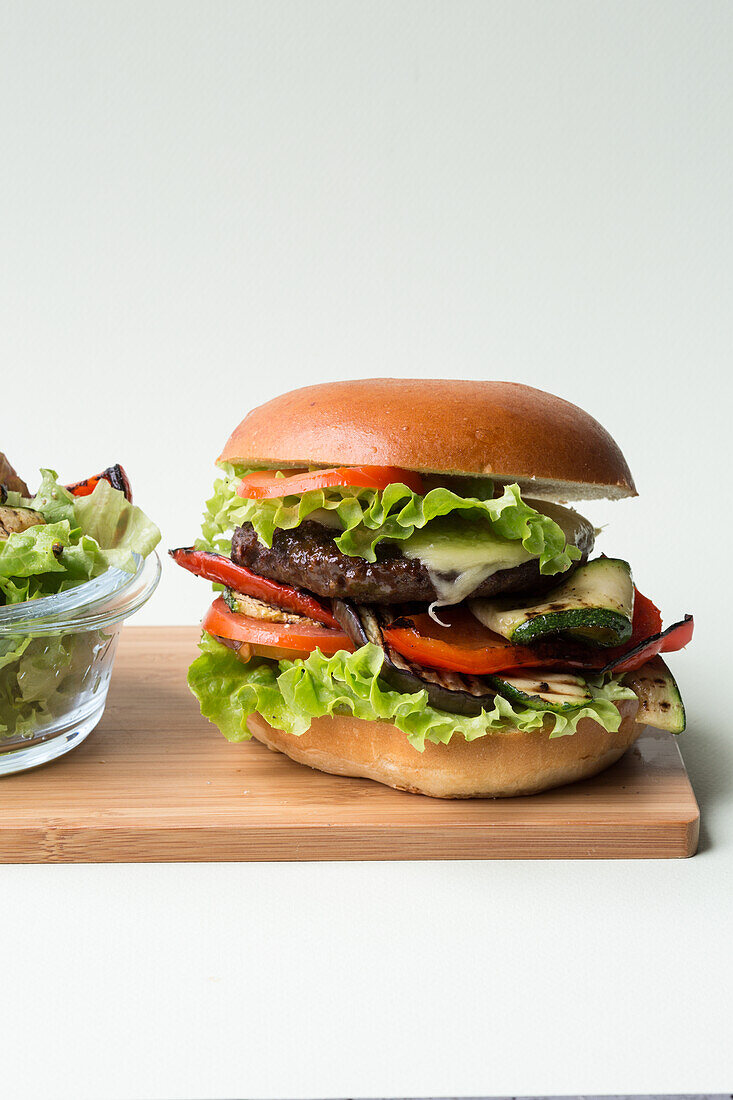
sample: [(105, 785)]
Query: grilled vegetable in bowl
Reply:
[(116, 477), (9, 480), (73, 565), (14, 520)]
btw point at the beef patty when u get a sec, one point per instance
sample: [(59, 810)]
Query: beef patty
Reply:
[(308, 557)]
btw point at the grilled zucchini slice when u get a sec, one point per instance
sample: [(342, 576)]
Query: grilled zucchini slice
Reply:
[(556, 691), (594, 605), (660, 702), (258, 609)]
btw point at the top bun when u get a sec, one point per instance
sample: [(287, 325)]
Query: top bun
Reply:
[(502, 430)]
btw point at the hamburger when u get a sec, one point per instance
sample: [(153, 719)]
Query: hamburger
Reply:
[(406, 594)]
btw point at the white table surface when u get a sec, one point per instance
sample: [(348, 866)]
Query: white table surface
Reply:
[(378, 979)]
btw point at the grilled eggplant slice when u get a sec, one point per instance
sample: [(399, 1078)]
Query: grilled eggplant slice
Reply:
[(594, 605), (448, 691)]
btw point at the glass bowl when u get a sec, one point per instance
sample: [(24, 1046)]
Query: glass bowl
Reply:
[(56, 657)]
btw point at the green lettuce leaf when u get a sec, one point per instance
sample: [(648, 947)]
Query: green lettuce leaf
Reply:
[(82, 537), (53, 501), (289, 694), (367, 516), (41, 679), (121, 529)]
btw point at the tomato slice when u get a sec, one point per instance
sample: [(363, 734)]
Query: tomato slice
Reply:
[(264, 484), (301, 638), (222, 570)]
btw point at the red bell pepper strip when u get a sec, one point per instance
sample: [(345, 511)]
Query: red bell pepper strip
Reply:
[(668, 641), (468, 647), (465, 645), (115, 475), (222, 570)]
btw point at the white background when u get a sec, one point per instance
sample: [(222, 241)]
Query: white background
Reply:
[(205, 204)]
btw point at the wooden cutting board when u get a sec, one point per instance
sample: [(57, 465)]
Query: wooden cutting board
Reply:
[(156, 782)]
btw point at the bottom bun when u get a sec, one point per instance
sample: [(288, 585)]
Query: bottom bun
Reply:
[(499, 765)]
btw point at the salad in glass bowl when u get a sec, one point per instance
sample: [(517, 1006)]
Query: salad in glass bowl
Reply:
[(75, 561)]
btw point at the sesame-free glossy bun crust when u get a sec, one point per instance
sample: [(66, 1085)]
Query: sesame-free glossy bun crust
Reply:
[(502, 429), (496, 766)]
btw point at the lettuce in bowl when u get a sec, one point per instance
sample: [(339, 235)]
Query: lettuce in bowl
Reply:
[(81, 538), (57, 577)]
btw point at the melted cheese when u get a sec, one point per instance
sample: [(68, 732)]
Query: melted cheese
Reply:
[(459, 558), (326, 518), (460, 554)]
